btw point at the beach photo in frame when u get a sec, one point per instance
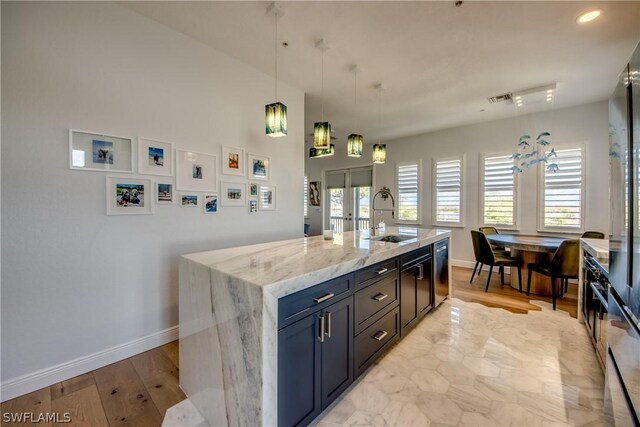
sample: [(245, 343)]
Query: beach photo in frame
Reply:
[(254, 189), (188, 200), (232, 160), (93, 151), (164, 193), (210, 203), (253, 206), (129, 196), (259, 167), (233, 194), (267, 198), (155, 157), (195, 171)]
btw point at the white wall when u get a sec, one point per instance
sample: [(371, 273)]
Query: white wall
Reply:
[(586, 124), (75, 281)]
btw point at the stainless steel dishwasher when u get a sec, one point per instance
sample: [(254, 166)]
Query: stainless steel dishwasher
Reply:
[(441, 272)]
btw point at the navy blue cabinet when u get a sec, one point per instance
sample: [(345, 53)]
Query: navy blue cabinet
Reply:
[(416, 283), (315, 362)]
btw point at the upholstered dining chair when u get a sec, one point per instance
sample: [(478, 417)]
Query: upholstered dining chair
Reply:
[(487, 231), (592, 235), (564, 265), (485, 255)]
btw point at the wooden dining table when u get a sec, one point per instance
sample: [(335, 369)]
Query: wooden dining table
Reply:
[(529, 249)]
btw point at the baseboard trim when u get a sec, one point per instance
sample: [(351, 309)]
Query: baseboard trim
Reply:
[(45, 377), (471, 264)]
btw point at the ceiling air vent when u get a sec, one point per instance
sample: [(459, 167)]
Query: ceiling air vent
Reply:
[(499, 98)]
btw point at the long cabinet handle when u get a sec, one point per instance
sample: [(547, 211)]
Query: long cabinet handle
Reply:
[(380, 296), (328, 325), (380, 335), (322, 326), (323, 298), (382, 271), (420, 272)]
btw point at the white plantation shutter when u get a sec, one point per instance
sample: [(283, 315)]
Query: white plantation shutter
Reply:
[(448, 191), (498, 196), (563, 191), (408, 179), (305, 196)]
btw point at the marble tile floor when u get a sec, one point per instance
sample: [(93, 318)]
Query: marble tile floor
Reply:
[(470, 365), (467, 364)]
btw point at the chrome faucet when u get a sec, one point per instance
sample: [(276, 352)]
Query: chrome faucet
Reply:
[(384, 193)]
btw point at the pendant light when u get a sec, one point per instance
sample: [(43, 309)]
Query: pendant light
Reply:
[(379, 150), (322, 129), (275, 115), (355, 141)]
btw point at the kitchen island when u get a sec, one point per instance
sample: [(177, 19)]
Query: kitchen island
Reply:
[(240, 306)]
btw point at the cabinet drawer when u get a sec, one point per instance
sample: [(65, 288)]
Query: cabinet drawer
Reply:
[(374, 340), (413, 256), (375, 297), (376, 271), (300, 304)]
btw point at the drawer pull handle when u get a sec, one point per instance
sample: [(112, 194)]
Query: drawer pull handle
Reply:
[(380, 296), (380, 335), (323, 298), (382, 271)]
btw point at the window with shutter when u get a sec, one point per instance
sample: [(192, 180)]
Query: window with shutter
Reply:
[(498, 196), (408, 180), (447, 194), (305, 196), (562, 198)]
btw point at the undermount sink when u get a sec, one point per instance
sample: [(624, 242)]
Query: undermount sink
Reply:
[(394, 238)]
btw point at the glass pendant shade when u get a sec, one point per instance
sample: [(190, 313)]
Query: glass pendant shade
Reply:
[(379, 153), (354, 145), (322, 135), (315, 153), (275, 119)]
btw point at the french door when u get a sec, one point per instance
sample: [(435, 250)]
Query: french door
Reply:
[(348, 199)]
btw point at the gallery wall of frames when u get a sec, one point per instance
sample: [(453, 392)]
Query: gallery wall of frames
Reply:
[(149, 173)]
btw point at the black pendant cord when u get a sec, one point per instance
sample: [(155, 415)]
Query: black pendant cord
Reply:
[(355, 101), (322, 88), (275, 44)]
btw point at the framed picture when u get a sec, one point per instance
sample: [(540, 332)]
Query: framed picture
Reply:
[(100, 152), (233, 194), (164, 194), (253, 189), (232, 161), (253, 206), (267, 198), (210, 203), (195, 171), (189, 200), (129, 196), (314, 193), (155, 157), (259, 167)]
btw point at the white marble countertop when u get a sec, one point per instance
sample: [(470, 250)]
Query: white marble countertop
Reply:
[(288, 266), (598, 248)]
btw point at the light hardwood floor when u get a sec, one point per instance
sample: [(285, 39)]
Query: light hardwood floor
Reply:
[(137, 391)]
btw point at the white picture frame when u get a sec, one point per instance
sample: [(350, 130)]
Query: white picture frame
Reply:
[(253, 206), (189, 200), (233, 194), (195, 171), (259, 167), (155, 157), (165, 193), (95, 151), (267, 198), (129, 196), (210, 203), (233, 161), (254, 189)]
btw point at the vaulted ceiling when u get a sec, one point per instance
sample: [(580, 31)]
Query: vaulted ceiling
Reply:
[(439, 62)]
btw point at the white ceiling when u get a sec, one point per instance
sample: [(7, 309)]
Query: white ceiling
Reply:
[(438, 62)]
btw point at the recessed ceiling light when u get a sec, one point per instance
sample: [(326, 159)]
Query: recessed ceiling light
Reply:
[(589, 16)]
